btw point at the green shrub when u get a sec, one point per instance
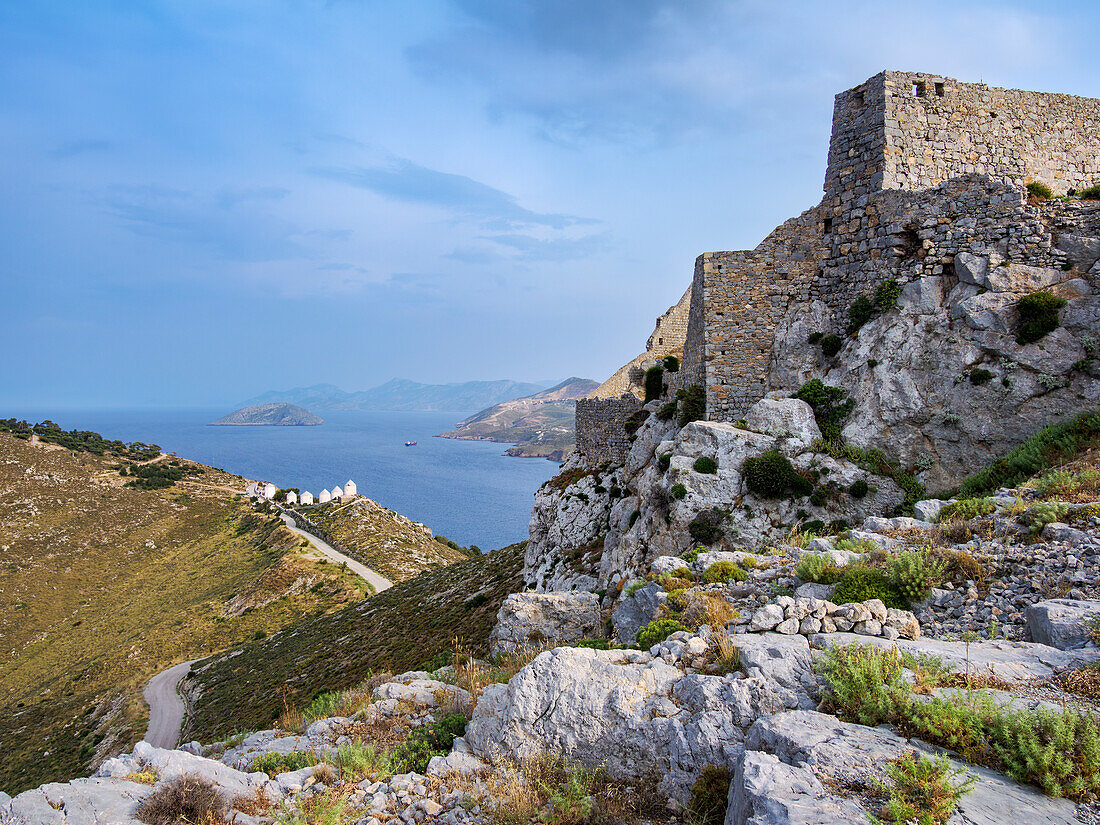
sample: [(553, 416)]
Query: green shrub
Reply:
[(691, 555), (914, 574), (818, 568), (966, 509), (274, 764), (679, 491), (1050, 446), (859, 313), (657, 631), (771, 475), (323, 706), (710, 796), (923, 790), (886, 295), (1040, 515), (667, 411), (663, 461), (706, 527), (722, 572), (654, 383), (831, 345), (427, 741), (865, 683), (859, 583), (1090, 194), (693, 404), (858, 489), (873, 461), (1040, 190), (980, 376), (635, 586), (831, 406), (706, 465), (1038, 316), (814, 337), (671, 363), (635, 421)]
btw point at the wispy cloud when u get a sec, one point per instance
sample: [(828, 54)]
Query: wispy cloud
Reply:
[(531, 248), (75, 148), (406, 181)]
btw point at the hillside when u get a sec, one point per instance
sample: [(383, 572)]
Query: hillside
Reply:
[(399, 629), (103, 585), (383, 540), (402, 394), (539, 425), (270, 415)]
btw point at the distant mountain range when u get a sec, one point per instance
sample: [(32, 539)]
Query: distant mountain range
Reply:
[(402, 394), (275, 414), (540, 425)]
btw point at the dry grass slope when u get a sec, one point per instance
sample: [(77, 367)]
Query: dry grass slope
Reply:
[(383, 540), (399, 629), (103, 585)]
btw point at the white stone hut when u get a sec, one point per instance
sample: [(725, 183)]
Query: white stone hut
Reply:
[(307, 498), (337, 493), (270, 490), (350, 489), (324, 497), (292, 497)]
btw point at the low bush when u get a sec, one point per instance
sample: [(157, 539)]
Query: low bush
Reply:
[(671, 363), (818, 568), (858, 489), (886, 295), (966, 509), (831, 345), (710, 796), (859, 583), (693, 404), (657, 631), (814, 337), (1038, 516), (706, 527), (1050, 446), (722, 572), (922, 789), (663, 461), (865, 683), (914, 573), (679, 491), (706, 465), (859, 313), (274, 764), (980, 376), (831, 406), (427, 741), (654, 383), (771, 475), (667, 411), (183, 799), (1039, 190), (1090, 194), (1038, 316)]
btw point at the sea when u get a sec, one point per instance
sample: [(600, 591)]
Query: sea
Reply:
[(468, 491)]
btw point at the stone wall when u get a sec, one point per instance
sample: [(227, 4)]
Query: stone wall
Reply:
[(601, 433), (905, 130)]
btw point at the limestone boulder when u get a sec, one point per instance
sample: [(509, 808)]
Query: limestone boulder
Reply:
[(537, 619), (1062, 623), (636, 610)]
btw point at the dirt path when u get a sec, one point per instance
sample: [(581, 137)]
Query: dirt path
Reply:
[(379, 583), (166, 708)]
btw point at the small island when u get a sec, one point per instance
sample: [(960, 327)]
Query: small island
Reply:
[(269, 415)]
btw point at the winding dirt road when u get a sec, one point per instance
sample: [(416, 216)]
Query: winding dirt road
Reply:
[(378, 582), (166, 707)]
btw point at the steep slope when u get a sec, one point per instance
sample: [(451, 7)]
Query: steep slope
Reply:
[(402, 394), (103, 585), (383, 540), (540, 425), (399, 629), (277, 415)]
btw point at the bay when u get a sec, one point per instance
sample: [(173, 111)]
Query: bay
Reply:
[(466, 490)]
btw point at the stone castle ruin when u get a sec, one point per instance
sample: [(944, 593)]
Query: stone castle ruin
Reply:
[(925, 186)]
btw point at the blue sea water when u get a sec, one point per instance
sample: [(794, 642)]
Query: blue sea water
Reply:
[(468, 491)]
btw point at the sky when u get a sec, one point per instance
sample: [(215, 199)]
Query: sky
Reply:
[(205, 200)]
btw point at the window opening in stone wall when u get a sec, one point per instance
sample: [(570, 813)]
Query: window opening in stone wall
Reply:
[(857, 99), (939, 90), (660, 341), (918, 90), (828, 225)]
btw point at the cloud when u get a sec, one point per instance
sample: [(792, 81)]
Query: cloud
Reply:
[(74, 148), (552, 249), (406, 181)]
